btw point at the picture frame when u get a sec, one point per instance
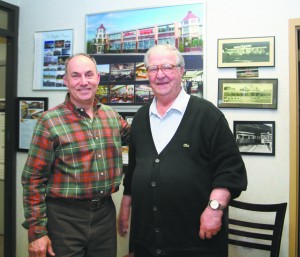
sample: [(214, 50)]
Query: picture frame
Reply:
[(248, 93), (118, 43), (128, 116), (52, 48), (246, 52), (255, 137), (29, 110)]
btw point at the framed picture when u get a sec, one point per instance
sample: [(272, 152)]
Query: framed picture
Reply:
[(29, 110), (118, 43), (52, 48), (246, 52), (248, 93), (255, 137), (128, 116)]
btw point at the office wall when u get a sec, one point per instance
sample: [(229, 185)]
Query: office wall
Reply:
[(268, 176)]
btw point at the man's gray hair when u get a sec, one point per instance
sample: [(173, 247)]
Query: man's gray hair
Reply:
[(166, 47)]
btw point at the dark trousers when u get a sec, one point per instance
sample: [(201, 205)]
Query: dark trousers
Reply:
[(140, 251), (82, 232)]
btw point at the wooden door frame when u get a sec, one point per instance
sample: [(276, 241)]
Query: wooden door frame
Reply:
[(294, 27), (11, 35)]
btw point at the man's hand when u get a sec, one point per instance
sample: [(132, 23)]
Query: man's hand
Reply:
[(210, 223), (124, 214), (40, 247)]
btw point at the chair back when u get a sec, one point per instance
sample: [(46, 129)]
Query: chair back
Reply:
[(257, 234)]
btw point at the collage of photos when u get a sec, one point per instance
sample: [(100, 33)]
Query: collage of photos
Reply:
[(55, 54), (127, 83), (124, 83), (125, 94)]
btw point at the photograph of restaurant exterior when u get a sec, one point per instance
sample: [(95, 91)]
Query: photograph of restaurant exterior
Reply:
[(118, 43), (185, 35)]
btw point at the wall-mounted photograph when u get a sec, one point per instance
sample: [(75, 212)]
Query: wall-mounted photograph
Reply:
[(52, 48), (29, 110), (247, 93), (246, 52), (116, 39), (118, 33), (255, 137)]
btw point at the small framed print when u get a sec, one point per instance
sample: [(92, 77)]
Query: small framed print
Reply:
[(29, 110), (128, 116), (255, 137), (247, 93), (246, 52)]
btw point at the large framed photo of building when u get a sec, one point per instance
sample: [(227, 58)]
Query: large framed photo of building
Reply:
[(248, 93), (246, 52), (255, 137), (118, 43)]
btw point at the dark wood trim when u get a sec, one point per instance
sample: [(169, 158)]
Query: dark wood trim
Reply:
[(10, 127)]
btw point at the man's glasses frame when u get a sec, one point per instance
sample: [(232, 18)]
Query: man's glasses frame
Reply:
[(166, 68)]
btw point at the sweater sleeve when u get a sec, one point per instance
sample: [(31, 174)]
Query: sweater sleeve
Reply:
[(228, 167)]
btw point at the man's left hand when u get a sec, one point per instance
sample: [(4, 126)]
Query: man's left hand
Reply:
[(210, 223)]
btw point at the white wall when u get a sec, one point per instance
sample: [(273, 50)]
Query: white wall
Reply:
[(268, 176)]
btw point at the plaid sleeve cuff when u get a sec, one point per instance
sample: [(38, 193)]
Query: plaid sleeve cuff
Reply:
[(35, 233)]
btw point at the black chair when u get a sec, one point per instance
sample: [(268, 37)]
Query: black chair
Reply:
[(256, 233)]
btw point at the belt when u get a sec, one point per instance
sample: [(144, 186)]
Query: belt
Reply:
[(86, 204)]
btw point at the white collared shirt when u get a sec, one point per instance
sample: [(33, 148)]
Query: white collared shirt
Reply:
[(164, 128)]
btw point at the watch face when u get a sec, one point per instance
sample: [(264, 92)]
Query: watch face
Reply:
[(214, 204)]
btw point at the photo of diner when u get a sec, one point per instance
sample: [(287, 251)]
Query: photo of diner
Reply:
[(140, 71), (122, 72), (192, 82), (103, 94), (143, 94), (103, 69), (121, 94)]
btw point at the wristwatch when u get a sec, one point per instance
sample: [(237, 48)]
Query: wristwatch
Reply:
[(215, 205)]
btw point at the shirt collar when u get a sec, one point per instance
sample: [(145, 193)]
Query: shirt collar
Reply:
[(179, 104), (73, 107)]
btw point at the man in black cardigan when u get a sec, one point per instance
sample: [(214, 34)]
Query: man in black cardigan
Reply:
[(184, 167)]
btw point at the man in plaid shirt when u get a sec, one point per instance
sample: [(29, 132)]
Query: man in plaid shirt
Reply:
[(74, 164)]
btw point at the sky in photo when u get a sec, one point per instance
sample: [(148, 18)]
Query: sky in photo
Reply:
[(142, 18)]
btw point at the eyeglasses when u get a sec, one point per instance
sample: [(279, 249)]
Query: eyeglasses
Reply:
[(166, 68)]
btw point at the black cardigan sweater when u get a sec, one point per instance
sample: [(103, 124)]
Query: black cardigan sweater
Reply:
[(170, 190)]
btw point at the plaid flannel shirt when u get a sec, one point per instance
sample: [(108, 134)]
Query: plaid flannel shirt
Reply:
[(71, 156)]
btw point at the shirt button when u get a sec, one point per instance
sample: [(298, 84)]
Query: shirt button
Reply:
[(154, 208), (99, 155), (153, 183), (102, 173), (101, 192), (97, 137), (158, 251), (157, 230), (157, 160)]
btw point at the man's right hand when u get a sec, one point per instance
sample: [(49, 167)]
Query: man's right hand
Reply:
[(40, 247), (124, 215)]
